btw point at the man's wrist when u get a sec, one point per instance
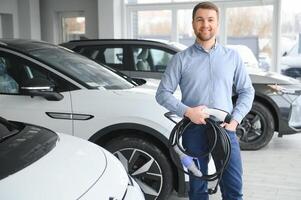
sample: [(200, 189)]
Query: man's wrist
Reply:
[(234, 122), (187, 112), (232, 125)]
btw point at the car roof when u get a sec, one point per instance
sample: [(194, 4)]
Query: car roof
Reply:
[(118, 40), (25, 45), (74, 43)]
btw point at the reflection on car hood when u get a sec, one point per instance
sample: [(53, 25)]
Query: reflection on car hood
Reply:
[(291, 61), (66, 172), (261, 77)]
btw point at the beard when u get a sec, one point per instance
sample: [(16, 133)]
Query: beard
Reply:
[(204, 38)]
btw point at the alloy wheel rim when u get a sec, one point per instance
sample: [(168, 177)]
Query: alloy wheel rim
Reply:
[(251, 128), (144, 169)]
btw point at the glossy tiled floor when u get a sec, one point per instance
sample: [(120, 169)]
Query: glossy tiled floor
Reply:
[(272, 173)]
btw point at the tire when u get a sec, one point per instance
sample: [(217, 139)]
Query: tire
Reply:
[(257, 128), (156, 180)]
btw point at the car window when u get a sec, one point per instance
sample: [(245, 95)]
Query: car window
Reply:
[(293, 72), (160, 59), (7, 83), (150, 59), (81, 68), (16, 71), (111, 56)]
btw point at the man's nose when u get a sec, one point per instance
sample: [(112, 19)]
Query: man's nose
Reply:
[(205, 23)]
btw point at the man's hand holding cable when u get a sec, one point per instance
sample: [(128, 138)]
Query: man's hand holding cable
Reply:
[(197, 114), (230, 126)]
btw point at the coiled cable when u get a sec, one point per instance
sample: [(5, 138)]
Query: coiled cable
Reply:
[(219, 147)]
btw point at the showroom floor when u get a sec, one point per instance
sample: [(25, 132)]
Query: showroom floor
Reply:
[(272, 173)]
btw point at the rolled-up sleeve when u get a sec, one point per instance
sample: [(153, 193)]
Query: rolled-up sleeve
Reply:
[(244, 89), (169, 84)]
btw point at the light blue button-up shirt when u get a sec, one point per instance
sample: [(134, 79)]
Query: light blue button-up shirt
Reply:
[(207, 78)]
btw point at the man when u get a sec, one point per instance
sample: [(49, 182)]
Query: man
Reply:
[(206, 73)]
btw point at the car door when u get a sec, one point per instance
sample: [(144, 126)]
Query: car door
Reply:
[(16, 105), (149, 61)]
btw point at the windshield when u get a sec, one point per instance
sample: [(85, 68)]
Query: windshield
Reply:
[(81, 68)]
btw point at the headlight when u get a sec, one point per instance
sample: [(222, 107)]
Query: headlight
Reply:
[(295, 117), (292, 95), (285, 89)]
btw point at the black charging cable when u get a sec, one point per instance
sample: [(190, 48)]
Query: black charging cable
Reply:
[(219, 147)]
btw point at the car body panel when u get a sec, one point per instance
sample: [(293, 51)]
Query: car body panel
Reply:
[(117, 107), (49, 173), (72, 169), (33, 110)]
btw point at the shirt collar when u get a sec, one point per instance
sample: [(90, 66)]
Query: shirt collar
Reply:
[(200, 47)]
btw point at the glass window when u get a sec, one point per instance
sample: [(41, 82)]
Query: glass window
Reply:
[(290, 28), (186, 33), (113, 56), (73, 28), (160, 59), (185, 0), (8, 84), (152, 24), (142, 59), (146, 1), (110, 56), (150, 59), (16, 71), (256, 33), (293, 72), (81, 68)]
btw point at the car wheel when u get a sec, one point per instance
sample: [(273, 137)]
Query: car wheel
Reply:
[(146, 163), (256, 129)]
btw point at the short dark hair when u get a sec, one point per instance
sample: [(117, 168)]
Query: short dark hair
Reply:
[(205, 5)]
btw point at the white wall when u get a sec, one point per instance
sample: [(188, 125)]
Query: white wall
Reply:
[(9, 7), (50, 9), (39, 19), (29, 19), (110, 17)]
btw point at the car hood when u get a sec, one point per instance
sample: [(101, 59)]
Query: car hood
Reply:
[(67, 172), (262, 77), (257, 76), (291, 61), (151, 87)]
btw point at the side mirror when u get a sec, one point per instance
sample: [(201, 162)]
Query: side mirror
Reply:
[(285, 53), (41, 87)]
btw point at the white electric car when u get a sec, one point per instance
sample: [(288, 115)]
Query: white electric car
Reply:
[(53, 87), (37, 163)]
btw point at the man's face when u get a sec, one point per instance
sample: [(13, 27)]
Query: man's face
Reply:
[(205, 24)]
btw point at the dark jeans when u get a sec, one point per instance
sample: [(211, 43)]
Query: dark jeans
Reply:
[(195, 140)]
